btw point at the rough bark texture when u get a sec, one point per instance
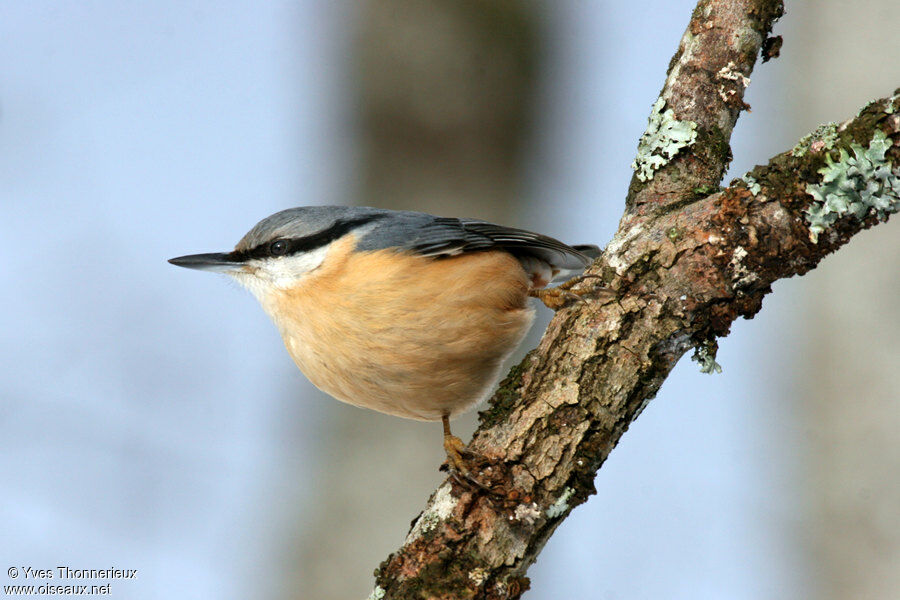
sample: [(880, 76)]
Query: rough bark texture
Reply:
[(846, 395), (705, 85), (685, 263)]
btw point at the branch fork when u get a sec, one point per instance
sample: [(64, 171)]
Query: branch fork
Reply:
[(688, 259)]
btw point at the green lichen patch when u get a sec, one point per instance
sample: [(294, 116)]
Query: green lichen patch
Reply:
[(752, 184), (705, 355), (823, 138), (884, 104), (664, 138), (441, 508), (561, 505), (858, 185), (377, 593)]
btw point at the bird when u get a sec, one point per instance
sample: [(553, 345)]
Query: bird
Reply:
[(402, 312)]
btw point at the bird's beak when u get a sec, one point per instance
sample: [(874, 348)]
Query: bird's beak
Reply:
[(214, 261)]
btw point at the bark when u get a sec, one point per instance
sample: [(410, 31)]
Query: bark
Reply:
[(688, 259), (847, 458)]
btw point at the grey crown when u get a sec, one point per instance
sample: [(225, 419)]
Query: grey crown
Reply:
[(425, 234)]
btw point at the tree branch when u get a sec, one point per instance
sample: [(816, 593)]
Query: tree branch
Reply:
[(682, 267), (704, 91)]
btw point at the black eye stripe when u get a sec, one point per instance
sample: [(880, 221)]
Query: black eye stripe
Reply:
[(279, 247), (306, 243)]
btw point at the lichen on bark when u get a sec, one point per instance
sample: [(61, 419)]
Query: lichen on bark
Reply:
[(688, 259)]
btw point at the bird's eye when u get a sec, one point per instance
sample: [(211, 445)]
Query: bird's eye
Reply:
[(279, 247)]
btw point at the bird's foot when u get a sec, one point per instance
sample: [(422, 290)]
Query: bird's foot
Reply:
[(562, 295), (460, 463)]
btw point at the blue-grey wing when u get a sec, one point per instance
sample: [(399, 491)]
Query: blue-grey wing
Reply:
[(448, 236), (519, 241)]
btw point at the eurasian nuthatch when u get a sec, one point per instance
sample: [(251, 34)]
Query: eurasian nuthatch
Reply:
[(401, 312)]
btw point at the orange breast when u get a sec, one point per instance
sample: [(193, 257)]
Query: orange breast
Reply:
[(406, 335)]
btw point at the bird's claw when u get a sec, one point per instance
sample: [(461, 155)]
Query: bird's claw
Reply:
[(562, 295), (459, 466)]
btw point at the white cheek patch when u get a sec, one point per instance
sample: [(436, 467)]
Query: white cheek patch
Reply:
[(286, 271), (263, 276)]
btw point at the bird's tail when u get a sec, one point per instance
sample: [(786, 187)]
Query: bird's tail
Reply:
[(589, 250)]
